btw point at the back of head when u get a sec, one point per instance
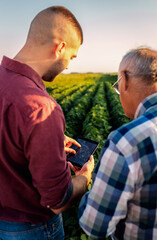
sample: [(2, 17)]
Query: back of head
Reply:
[(52, 23), (141, 63)]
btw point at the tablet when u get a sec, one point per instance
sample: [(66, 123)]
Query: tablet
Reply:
[(83, 154)]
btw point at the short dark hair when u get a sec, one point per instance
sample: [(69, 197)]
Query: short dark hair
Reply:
[(40, 26), (70, 17)]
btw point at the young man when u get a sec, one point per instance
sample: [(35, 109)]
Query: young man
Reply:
[(123, 200), (35, 180)]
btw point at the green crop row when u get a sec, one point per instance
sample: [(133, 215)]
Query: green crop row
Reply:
[(96, 126), (72, 100), (77, 114), (92, 109)]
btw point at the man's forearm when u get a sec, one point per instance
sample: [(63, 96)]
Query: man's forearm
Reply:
[(79, 188)]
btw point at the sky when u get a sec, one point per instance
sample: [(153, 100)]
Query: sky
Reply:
[(110, 27)]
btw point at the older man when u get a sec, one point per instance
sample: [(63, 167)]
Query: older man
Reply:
[(35, 179), (123, 201)]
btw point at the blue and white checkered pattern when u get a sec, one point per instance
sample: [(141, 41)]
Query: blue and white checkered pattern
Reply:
[(123, 200)]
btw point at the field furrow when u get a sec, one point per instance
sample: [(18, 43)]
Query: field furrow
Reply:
[(92, 109)]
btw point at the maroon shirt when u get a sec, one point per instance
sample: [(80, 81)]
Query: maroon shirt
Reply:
[(33, 168)]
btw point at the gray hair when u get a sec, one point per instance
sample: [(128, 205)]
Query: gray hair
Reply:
[(141, 63)]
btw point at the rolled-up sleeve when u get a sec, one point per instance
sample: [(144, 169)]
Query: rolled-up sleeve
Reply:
[(44, 149)]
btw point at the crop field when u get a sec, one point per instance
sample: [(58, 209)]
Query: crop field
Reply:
[(92, 110)]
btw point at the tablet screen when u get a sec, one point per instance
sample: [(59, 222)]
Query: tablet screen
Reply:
[(83, 154)]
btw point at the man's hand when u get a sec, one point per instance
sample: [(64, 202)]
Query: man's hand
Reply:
[(67, 144), (86, 170), (80, 182)]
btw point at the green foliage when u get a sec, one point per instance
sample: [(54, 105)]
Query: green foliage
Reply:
[(96, 126), (92, 109), (70, 100), (77, 114)]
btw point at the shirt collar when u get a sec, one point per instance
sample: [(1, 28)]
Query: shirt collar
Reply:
[(146, 104), (23, 69)]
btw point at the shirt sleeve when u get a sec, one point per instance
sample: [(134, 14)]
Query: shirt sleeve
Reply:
[(44, 149), (105, 205)]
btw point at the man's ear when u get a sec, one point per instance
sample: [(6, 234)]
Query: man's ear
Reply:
[(60, 48), (125, 81)]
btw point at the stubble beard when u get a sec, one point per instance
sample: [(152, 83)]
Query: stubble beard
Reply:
[(53, 71)]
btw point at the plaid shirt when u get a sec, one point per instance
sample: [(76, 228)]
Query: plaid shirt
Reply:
[(123, 199)]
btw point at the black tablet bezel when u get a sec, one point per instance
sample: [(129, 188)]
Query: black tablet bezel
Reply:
[(73, 157)]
